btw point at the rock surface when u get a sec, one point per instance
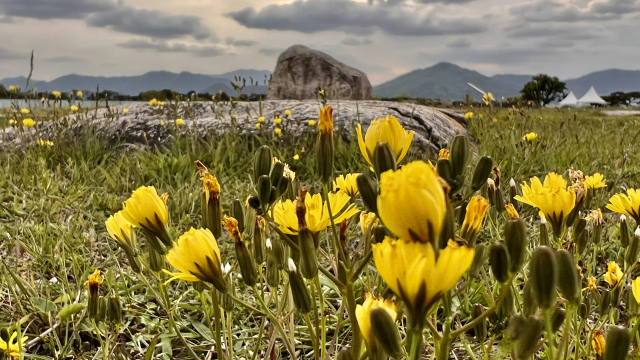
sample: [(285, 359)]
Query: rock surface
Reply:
[(152, 125), (301, 70)]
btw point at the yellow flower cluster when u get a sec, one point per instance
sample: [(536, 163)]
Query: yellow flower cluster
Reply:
[(317, 212)]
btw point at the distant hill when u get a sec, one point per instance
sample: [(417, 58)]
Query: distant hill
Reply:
[(516, 81), (443, 81), (605, 82), (153, 80)]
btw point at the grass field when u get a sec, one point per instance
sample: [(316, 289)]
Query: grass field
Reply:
[(54, 201)]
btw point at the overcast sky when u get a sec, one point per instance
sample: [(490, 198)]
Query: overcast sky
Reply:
[(384, 38)]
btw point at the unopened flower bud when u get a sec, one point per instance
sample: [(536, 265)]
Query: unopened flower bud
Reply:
[(480, 329), (481, 173), (543, 276), (211, 208), (385, 331), (93, 286), (499, 259), (299, 291), (247, 268), (368, 192), (491, 192), (384, 159), (631, 254), (529, 331), (529, 305), (258, 240), (237, 211), (605, 302), (568, 279), (557, 318), (618, 341), (325, 147), (444, 170), (264, 191), (544, 233), (516, 240), (459, 155), (102, 309), (273, 274), (262, 162), (624, 231), (479, 259), (114, 310), (579, 236), (156, 261), (4, 334)]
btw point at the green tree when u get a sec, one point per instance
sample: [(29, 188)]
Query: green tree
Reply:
[(543, 89)]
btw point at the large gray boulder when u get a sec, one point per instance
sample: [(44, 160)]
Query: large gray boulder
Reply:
[(300, 71), (144, 124)]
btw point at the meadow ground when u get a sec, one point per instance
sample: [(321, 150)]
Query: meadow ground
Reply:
[(54, 201)]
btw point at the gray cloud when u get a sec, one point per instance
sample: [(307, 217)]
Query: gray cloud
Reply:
[(54, 9), (6, 54), (271, 51), (151, 23), (243, 43), (354, 41), (574, 32), (6, 20), (543, 11), (459, 43), (353, 18), (163, 47)]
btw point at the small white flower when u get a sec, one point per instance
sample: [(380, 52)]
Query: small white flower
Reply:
[(512, 183), (53, 280), (268, 244), (292, 265)]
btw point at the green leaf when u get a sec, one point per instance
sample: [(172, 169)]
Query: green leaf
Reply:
[(201, 328), (69, 310), (43, 304), (151, 348)]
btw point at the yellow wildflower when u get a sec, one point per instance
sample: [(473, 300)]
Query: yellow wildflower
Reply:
[(56, 94), (443, 154), (13, 88), (73, 108), (511, 211), (94, 280), (296, 157), (317, 213), (24, 111), (12, 121), (121, 230), (468, 115), (595, 181), (635, 288), (412, 202), (326, 120), (28, 122), (146, 210), (160, 103), (278, 131), (125, 111), (312, 122), (258, 126), (153, 102), (365, 220), (197, 257), (347, 184), (384, 130), (179, 121), (614, 274), (530, 137), (595, 217), (363, 313), (598, 342), (287, 113), (552, 198), (12, 348), (79, 94), (592, 284), (261, 119), (487, 98), (628, 204), (277, 121), (476, 210)]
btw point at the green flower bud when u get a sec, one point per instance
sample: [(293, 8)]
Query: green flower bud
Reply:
[(247, 268), (462, 212), (557, 319), (580, 235), (605, 302), (325, 153), (277, 174), (632, 303), (299, 291), (114, 310), (278, 252), (479, 259), (459, 155), (258, 242), (134, 262), (583, 310), (226, 302), (101, 315), (529, 332), (264, 191), (481, 173), (155, 243), (4, 334), (445, 170), (237, 211), (383, 159), (615, 315), (513, 191), (568, 277), (308, 263), (624, 231), (273, 273), (500, 208), (631, 255), (480, 329), (368, 192), (156, 261), (254, 202), (516, 240), (499, 259), (448, 227), (379, 233), (262, 162), (618, 341), (508, 305), (385, 331), (543, 277)]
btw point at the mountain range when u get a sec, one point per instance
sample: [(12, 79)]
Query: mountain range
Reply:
[(154, 80), (449, 81)]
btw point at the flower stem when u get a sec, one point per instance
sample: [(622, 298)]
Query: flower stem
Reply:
[(414, 338), (443, 351), (356, 336), (336, 241), (549, 336), (276, 323), (216, 318), (314, 337)]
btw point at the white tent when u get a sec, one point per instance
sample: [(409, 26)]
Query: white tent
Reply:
[(570, 100), (591, 98)]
